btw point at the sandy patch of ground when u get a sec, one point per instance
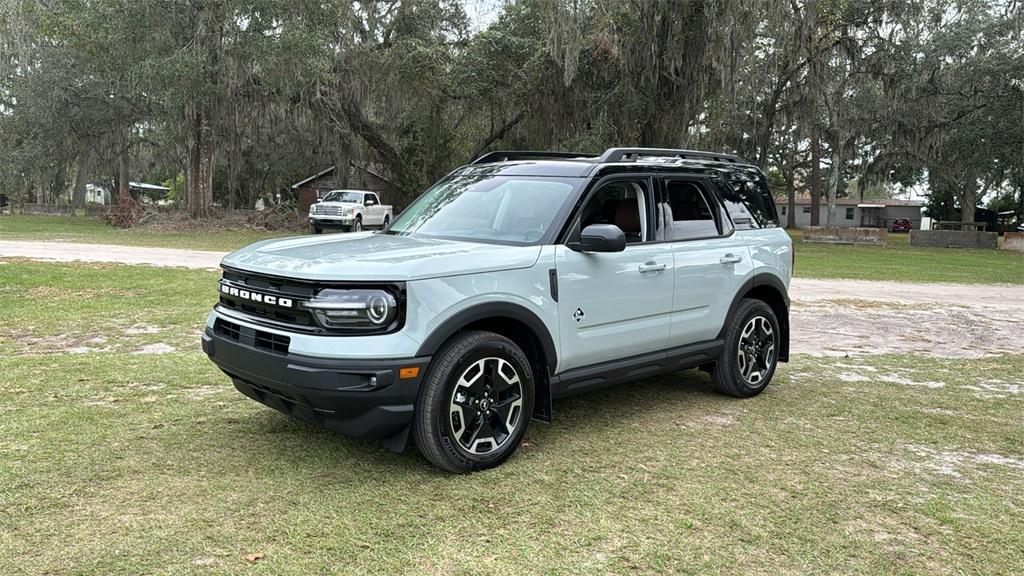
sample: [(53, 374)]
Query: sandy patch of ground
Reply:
[(142, 330), (954, 463), (158, 348), (850, 317), (68, 343), (986, 389), (808, 290), (996, 388), (24, 343)]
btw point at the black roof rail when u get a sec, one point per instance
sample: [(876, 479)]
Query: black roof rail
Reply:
[(507, 155), (631, 155)]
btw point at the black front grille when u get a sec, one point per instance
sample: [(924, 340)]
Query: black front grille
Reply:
[(252, 337), (227, 329), (272, 342)]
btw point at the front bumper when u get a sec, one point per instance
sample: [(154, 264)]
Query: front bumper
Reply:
[(331, 220), (364, 399)]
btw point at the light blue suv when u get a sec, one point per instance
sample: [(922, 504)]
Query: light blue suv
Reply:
[(515, 280)]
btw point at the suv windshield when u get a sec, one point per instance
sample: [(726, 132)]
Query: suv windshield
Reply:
[(342, 196), (499, 209)]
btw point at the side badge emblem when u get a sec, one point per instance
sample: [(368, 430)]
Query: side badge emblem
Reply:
[(578, 314)]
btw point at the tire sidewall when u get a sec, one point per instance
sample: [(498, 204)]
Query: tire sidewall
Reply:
[(748, 310), (446, 376)]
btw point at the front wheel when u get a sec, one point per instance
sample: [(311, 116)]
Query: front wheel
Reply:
[(475, 404), (313, 228), (750, 355), (357, 226)]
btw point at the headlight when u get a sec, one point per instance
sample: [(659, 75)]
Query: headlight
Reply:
[(357, 309), (312, 209)]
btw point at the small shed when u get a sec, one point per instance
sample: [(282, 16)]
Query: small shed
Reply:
[(360, 177), (97, 194)]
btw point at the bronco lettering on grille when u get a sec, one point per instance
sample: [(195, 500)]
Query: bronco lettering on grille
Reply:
[(256, 296)]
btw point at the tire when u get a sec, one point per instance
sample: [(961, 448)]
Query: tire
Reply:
[(313, 228), (386, 222), (474, 369), (357, 226), (747, 338)]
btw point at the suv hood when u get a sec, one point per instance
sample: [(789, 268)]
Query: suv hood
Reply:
[(377, 257)]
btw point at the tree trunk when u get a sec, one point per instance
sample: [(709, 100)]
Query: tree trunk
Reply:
[(402, 174), (969, 201), (791, 199), (232, 185), (57, 184), (186, 191), (342, 162), (201, 178), (81, 179), (124, 194), (833, 183), (815, 178)]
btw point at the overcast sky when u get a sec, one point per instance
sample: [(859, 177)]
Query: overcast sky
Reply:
[(482, 12)]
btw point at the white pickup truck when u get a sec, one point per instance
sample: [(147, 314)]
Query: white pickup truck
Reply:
[(349, 209)]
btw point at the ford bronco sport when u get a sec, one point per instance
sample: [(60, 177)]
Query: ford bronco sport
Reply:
[(515, 280)]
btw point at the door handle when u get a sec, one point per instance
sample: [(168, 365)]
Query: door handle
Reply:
[(652, 267), (730, 259)]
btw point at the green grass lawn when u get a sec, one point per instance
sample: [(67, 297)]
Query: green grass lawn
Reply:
[(896, 261), (113, 462), (93, 230)]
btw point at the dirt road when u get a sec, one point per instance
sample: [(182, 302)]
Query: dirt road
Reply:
[(829, 317), (74, 252)]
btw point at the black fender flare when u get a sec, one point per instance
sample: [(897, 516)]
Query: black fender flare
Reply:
[(487, 311), (773, 281)]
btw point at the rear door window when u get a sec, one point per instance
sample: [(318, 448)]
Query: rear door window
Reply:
[(685, 212), (749, 203)]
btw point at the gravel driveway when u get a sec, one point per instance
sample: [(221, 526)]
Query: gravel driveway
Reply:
[(829, 317)]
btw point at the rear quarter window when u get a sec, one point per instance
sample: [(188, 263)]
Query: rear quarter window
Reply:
[(749, 202)]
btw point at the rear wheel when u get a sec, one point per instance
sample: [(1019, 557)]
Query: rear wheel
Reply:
[(387, 220), (475, 404), (750, 356)]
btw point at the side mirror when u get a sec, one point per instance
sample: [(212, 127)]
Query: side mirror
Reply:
[(599, 238), (318, 200)]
